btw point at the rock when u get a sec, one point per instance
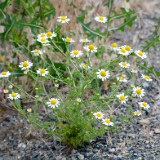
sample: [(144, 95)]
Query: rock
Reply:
[(112, 150), (80, 157), (144, 121), (157, 131), (131, 135), (1, 158), (145, 84), (21, 145)]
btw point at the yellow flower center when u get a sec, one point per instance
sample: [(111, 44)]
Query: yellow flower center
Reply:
[(4, 73), (108, 121), (14, 94), (43, 35), (122, 78), (63, 18), (29, 110), (122, 97), (147, 77), (138, 113), (42, 71), (91, 47), (43, 40), (144, 104), (25, 64), (140, 53), (84, 40), (99, 114), (124, 64), (49, 34), (128, 48), (103, 73), (75, 52), (36, 51), (84, 65), (53, 101), (68, 39), (101, 18), (138, 91), (123, 50), (114, 45)]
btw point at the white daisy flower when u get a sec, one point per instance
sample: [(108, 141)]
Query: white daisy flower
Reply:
[(107, 122), (43, 40), (101, 19), (138, 91), (102, 74), (98, 115), (68, 39), (124, 64), (37, 52), (147, 78), (53, 103), (63, 19), (84, 66), (137, 113), (42, 72), (14, 96), (141, 54), (42, 35), (84, 40), (122, 98), (122, 78), (76, 53), (144, 105), (114, 47), (25, 65), (5, 74), (90, 48), (123, 51), (51, 34)]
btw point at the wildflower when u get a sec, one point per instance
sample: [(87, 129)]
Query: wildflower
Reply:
[(122, 97), (5, 91), (29, 110), (137, 113), (102, 74), (51, 34), (5, 74), (76, 53), (42, 72), (122, 78), (42, 35), (10, 87), (114, 47), (56, 85), (90, 48), (138, 91), (84, 40), (124, 64), (101, 19), (134, 71), (147, 78), (84, 66), (98, 115), (144, 105), (37, 52), (25, 65), (43, 40), (53, 103), (107, 122), (63, 19), (78, 100), (123, 51), (68, 39), (14, 96), (141, 54)]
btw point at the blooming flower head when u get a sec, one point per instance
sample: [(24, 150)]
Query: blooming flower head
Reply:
[(84, 66), (138, 91), (147, 78), (101, 19), (78, 100), (114, 47), (68, 39), (123, 51), (42, 72), (37, 52), (124, 64), (25, 65), (14, 96), (84, 40), (63, 19), (141, 54), (102, 74), (43, 40), (137, 113), (108, 122), (144, 105), (76, 53), (53, 103), (29, 110), (5, 74), (5, 91), (51, 34), (90, 48), (42, 35), (122, 98), (122, 78), (98, 115)]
